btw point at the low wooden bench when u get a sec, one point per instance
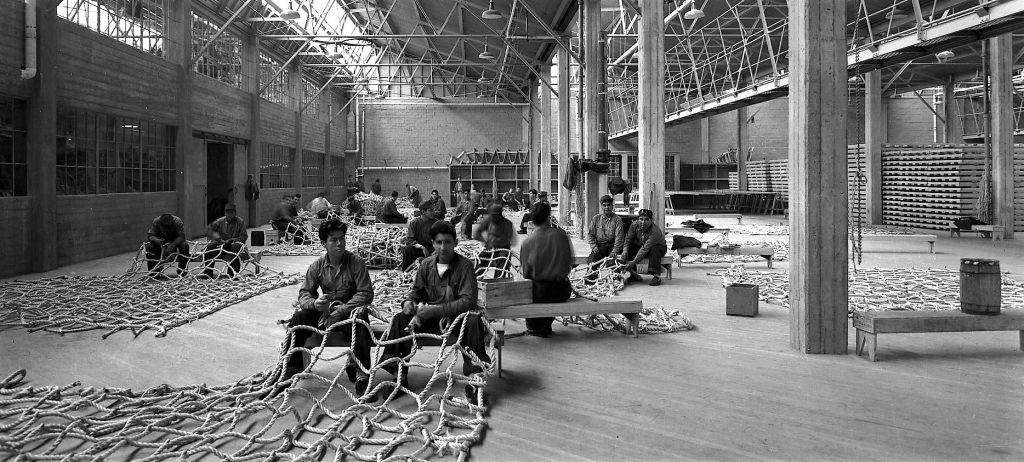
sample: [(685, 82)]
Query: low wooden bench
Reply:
[(929, 238), (574, 307), (737, 216), (871, 323), (390, 225), (766, 252), (986, 231)]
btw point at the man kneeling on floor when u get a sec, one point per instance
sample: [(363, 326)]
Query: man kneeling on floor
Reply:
[(546, 258), (164, 240), (645, 240), (337, 284), (444, 288)]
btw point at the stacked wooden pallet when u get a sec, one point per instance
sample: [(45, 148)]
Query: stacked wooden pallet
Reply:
[(768, 175), (855, 168), (931, 186), (1018, 188), (734, 181)]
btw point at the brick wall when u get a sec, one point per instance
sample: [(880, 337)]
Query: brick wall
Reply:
[(216, 107), (277, 124), (96, 226), (910, 121)]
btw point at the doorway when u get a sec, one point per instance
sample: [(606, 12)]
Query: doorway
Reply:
[(219, 178)]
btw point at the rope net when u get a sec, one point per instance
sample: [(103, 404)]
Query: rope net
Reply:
[(318, 415), (135, 300), (909, 289)]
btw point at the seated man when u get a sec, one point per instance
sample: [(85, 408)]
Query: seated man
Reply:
[(435, 204), (389, 212), (336, 286), (319, 206), (509, 199), (418, 243), (495, 231), (645, 240), (283, 216), (355, 208), (227, 239), (166, 238), (444, 288), (546, 258)]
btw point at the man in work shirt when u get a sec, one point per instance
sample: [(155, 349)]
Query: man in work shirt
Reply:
[(444, 288), (606, 233), (645, 241), (418, 243), (227, 236), (336, 286), (166, 238), (389, 212), (546, 258)]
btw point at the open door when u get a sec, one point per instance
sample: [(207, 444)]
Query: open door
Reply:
[(219, 178)]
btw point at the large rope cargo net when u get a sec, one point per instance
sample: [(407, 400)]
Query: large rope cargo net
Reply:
[(907, 289), (317, 417), (135, 300)]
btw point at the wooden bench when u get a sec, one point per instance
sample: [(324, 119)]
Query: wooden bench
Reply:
[(574, 307), (766, 252), (993, 231), (871, 323), (737, 216), (390, 225), (929, 238)]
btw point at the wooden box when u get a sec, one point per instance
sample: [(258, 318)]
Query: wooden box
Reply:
[(741, 300), (496, 293)]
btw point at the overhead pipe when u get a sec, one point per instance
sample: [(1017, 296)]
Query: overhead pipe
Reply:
[(29, 71)]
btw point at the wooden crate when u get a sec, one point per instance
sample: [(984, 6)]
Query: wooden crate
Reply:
[(496, 293)]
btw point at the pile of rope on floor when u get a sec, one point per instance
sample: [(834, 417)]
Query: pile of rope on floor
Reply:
[(908, 289), (137, 300), (779, 246), (317, 417)]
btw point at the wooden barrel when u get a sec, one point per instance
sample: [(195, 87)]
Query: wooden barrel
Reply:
[(980, 286)]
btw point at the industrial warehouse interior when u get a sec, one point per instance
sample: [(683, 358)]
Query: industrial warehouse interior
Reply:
[(511, 230)]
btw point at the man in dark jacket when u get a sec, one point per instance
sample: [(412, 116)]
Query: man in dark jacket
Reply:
[(389, 212), (418, 243), (444, 288), (166, 239)]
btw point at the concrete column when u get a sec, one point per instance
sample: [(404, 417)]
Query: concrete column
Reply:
[(651, 127), (874, 120), (817, 177), (591, 106), (251, 64), (705, 140), (564, 144), (191, 200), (742, 144), (295, 103), (1001, 100), (954, 131), (536, 139), (41, 140), (545, 132)]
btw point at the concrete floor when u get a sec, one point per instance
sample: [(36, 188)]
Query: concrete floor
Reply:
[(732, 389)]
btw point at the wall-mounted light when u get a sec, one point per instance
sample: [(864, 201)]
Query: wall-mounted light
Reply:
[(490, 12), (290, 13)]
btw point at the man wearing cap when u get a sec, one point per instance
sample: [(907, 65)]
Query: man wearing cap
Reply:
[(606, 233), (166, 238), (645, 241), (227, 238), (417, 240)]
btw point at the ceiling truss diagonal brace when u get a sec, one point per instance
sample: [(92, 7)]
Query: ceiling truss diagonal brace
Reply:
[(554, 35)]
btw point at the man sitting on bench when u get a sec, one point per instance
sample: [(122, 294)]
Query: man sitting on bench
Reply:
[(645, 240), (227, 239), (389, 212), (444, 288), (336, 285), (546, 258)]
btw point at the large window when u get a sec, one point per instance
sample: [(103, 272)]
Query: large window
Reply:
[(312, 169), (337, 171), (276, 166), (13, 168), (223, 59), (633, 170), (276, 90), (105, 154), (310, 97), (139, 23)]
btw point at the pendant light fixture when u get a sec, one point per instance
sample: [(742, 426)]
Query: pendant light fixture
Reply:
[(290, 13), (490, 12), (486, 54)]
